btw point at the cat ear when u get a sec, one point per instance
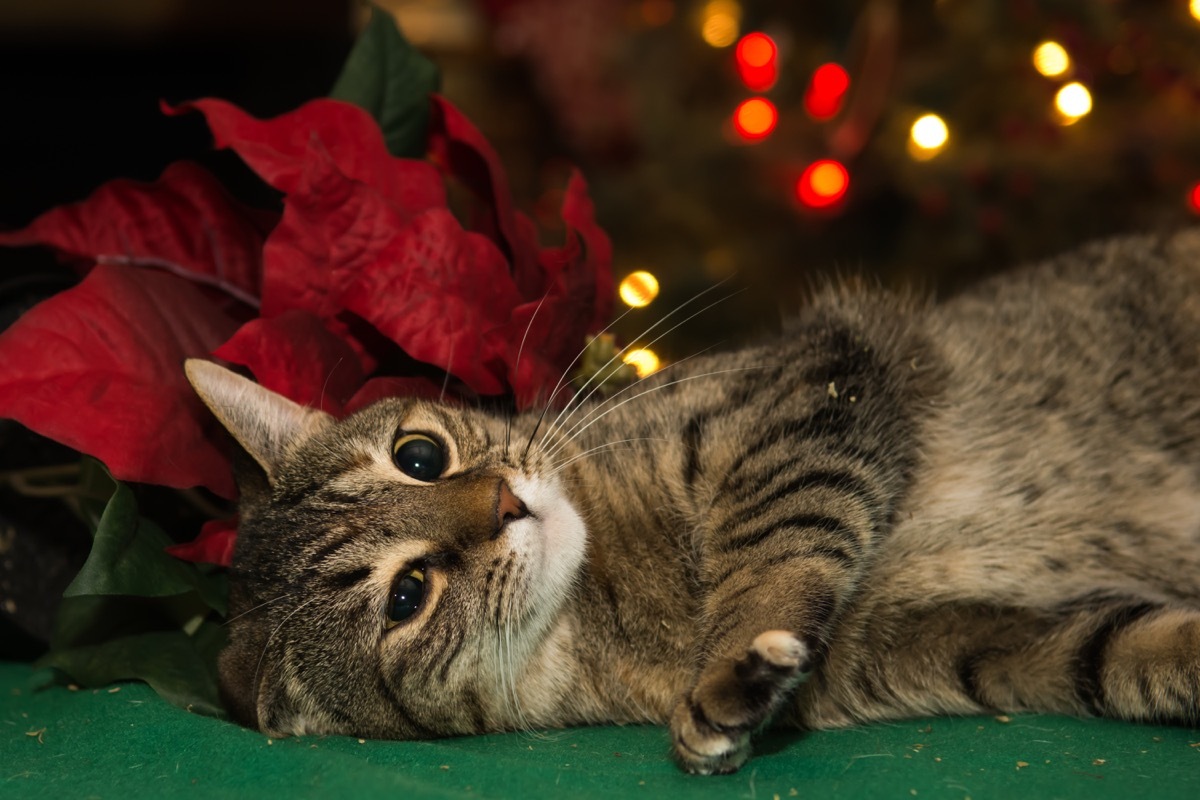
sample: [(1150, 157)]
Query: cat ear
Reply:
[(266, 424)]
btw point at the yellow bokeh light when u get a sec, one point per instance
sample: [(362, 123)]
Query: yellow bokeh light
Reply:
[(1194, 7), (1073, 101), (1051, 59), (930, 133), (720, 22), (643, 359), (638, 289)]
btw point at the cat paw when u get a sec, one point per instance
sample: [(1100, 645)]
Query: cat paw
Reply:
[(711, 724)]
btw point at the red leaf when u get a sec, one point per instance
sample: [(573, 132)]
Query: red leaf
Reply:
[(324, 207), (425, 283), (99, 368), (277, 148), (467, 155), (293, 354), (579, 213), (577, 296), (377, 389), (214, 545), (184, 223), (435, 290)]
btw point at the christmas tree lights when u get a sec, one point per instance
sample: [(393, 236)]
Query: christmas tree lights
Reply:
[(643, 359), (927, 137), (826, 91), (823, 183), (1073, 102), (755, 118), (756, 57), (1051, 59), (638, 289)]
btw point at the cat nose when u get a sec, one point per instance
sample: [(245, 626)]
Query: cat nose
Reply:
[(508, 507)]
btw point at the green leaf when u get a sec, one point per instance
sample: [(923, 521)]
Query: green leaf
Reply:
[(180, 668), (392, 80), (128, 558)]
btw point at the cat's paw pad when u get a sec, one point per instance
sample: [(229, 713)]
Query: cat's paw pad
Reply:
[(782, 650), (711, 725), (701, 746)]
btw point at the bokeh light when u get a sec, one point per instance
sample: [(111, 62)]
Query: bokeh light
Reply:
[(757, 61), (1051, 59), (826, 91), (643, 359), (1073, 101), (928, 136), (638, 289), (823, 183), (755, 118), (720, 22), (1193, 198)]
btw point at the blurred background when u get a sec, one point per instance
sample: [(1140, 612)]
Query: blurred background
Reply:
[(923, 142)]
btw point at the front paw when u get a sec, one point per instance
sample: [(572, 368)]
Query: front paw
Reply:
[(711, 724)]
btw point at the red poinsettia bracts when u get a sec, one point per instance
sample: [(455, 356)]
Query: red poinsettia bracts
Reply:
[(366, 269)]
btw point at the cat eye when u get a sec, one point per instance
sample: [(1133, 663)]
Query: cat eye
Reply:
[(419, 456), (408, 590)]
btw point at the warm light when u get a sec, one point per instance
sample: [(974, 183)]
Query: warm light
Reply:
[(756, 50), (756, 61), (826, 91), (1193, 197), (638, 289), (755, 118), (928, 136), (644, 360), (1073, 101), (823, 183), (1194, 7), (1050, 59), (720, 22)]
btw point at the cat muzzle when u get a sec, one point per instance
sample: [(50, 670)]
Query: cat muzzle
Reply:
[(509, 507)]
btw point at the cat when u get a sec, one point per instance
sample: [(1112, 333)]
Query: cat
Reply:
[(896, 508)]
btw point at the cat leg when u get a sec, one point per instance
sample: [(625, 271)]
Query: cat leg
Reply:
[(1128, 658), (776, 578)]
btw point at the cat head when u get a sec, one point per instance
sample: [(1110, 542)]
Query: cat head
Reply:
[(395, 571)]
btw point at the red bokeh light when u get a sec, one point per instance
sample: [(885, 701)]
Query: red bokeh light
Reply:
[(755, 118), (757, 61), (823, 183), (1193, 198), (826, 91)]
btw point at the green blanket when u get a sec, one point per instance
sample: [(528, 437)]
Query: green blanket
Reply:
[(125, 742)]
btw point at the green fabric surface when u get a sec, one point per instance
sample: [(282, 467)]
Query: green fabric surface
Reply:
[(125, 742)]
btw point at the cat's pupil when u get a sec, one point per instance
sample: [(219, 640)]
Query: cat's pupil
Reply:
[(407, 593), (419, 456)]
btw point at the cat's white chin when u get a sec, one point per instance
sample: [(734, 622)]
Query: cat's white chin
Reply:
[(552, 541)]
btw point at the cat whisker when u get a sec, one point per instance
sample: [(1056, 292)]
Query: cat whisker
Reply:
[(328, 378), (517, 366), (446, 377), (559, 385), (267, 643), (256, 608), (555, 448), (596, 450), (575, 432), (570, 411)]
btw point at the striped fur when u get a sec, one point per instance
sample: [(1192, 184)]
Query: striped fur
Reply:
[(894, 509)]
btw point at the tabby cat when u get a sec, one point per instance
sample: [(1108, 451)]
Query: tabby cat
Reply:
[(894, 509)]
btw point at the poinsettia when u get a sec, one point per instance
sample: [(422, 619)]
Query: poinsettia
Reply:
[(365, 282)]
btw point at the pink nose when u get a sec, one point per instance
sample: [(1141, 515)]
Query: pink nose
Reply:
[(508, 507)]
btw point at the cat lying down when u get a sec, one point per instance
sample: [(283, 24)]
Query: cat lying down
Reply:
[(894, 509)]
